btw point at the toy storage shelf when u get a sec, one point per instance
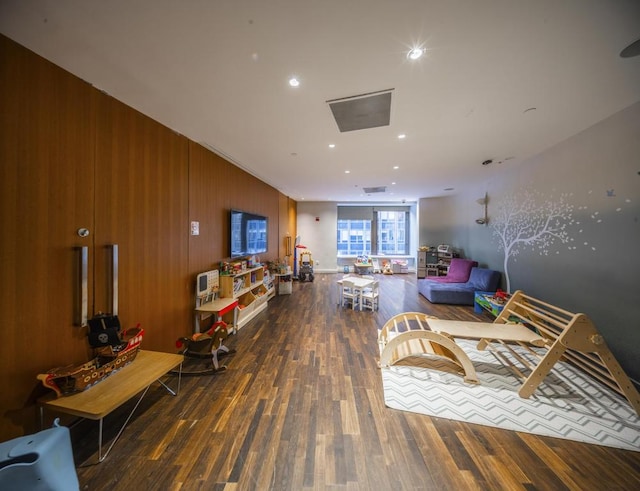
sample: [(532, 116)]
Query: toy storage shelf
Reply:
[(434, 263), (284, 283), (485, 301), (249, 288)]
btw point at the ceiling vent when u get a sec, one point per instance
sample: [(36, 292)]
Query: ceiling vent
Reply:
[(377, 189), (363, 111)]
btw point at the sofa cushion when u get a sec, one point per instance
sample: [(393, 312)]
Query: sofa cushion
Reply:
[(484, 280), (450, 293), (459, 271)]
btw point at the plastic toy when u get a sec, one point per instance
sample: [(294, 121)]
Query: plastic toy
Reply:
[(306, 266)]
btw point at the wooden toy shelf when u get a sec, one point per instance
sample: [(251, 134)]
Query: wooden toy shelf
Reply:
[(251, 291)]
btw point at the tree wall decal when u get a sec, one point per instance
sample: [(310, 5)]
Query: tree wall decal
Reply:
[(528, 220)]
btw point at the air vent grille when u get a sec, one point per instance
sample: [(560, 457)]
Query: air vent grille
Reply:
[(377, 189), (362, 111)]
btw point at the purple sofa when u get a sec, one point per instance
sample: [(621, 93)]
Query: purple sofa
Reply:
[(463, 293)]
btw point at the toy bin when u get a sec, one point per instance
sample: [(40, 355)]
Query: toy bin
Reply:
[(260, 295), (399, 267), (247, 301), (285, 285), (486, 301)]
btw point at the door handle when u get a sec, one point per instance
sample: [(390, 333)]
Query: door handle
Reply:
[(114, 278), (82, 296)]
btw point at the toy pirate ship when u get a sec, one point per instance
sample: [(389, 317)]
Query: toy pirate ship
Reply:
[(112, 349)]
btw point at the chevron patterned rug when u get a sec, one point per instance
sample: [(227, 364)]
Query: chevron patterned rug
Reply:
[(567, 405)]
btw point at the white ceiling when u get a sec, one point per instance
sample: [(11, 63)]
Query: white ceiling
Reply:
[(216, 71)]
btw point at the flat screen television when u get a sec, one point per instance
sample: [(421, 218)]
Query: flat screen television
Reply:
[(248, 233)]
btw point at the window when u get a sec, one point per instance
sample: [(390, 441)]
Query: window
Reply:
[(392, 233), (354, 237), (373, 231)]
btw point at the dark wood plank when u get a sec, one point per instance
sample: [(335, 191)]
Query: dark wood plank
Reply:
[(301, 407)]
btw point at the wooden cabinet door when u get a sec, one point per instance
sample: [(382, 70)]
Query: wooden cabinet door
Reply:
[(141, 202), (46, 195)]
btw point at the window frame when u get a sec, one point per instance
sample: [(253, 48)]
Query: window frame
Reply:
[(372, 215)]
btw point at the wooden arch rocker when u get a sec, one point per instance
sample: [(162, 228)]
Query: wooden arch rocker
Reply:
[(408, 334)]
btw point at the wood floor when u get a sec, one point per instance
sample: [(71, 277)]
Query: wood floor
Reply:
[(301, 408)]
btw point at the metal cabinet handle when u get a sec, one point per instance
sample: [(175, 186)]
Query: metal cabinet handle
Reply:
[(114, 278), (82, 302)]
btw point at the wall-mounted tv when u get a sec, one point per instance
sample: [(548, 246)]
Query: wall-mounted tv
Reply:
[(247, 233)]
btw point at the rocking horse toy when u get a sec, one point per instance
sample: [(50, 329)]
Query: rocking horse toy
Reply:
[(203, 345)]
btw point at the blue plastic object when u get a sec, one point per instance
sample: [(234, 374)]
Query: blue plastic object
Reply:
[(39, 462)]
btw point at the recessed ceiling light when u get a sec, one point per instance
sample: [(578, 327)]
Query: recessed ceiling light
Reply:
[(347, 172), (294, 82), (402, 136), (393, 183), (332, 145), (396, 167), (415, 53)]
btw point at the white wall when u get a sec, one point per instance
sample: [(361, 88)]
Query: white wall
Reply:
[(436, 215), (317, 228)]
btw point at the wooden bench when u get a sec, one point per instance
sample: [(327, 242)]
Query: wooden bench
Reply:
[(524, 321), (100, 400)]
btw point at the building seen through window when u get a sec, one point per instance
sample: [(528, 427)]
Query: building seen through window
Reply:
[(354, 237), (368, 231)]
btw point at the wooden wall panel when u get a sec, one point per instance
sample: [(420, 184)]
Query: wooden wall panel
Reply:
[(207, 208), (216, 186), (284, 230), (74, 157), (46, 194), (287, 228), (292, 217), (141, 205)]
